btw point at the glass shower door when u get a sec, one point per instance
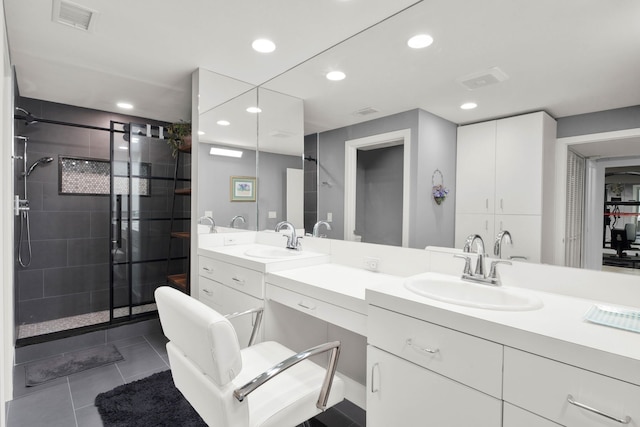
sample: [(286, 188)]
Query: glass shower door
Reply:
[(142, 183)]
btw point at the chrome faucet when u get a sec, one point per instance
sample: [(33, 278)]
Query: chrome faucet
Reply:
[(497, 246), (293, 241), (479, 275), (316, 228), (471, 239), (212, 228), (233, 220)]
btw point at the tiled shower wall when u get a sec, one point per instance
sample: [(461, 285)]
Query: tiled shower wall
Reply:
[(310, 182), (69, 272)]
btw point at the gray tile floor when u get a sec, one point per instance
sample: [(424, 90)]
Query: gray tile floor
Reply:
[(68, 401)]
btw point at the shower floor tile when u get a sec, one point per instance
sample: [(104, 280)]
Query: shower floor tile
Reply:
[(73, 322)]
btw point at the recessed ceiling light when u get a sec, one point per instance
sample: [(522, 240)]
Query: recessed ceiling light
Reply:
[(263, 46), (124, 105), (223, 123), (200, 132), (225, 152), (420, 41), (254, 110), (468, 105), (336, 75)]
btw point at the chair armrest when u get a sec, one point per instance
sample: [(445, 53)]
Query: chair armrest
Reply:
[(270, 373), (256, 325)]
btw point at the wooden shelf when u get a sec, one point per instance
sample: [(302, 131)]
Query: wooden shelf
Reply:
[(181, 234), (183, 191), (178, 280)]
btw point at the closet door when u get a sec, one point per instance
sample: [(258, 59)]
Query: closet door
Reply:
[(518, 180), (475, 168)]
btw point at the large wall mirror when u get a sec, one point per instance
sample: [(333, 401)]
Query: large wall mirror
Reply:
[(227, 153), (390, 89)]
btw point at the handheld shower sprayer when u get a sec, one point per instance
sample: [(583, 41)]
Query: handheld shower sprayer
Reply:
[(43, 160)]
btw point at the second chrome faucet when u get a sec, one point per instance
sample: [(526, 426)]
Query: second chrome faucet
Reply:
[(479, 274)]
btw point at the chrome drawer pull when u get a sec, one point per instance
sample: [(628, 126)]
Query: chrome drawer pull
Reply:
[(425, 350), (625, 420), (207, 291), (207, 269), (239, 281), (308, 307)]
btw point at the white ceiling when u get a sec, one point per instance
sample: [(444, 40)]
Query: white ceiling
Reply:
[(566, 57)]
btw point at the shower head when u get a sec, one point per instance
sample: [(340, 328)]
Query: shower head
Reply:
[(35, 164), (28, 117)]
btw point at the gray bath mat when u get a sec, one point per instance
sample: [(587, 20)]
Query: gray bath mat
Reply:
[(70, 363)]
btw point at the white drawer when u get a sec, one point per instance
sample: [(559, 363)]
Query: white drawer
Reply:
[(518, 417), (345, 318), (240, 278), (461, 357), (211, 293), (542, 386)]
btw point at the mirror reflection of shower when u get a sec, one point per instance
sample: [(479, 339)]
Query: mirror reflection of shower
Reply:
[(21, 206)]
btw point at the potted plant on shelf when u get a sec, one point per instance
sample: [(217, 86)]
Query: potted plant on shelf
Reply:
[(179, 134)]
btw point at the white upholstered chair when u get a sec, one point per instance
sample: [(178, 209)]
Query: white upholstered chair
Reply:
[(265, 384)]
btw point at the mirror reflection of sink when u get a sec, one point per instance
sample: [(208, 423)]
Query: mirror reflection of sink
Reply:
[(453, 290), (272, 253)]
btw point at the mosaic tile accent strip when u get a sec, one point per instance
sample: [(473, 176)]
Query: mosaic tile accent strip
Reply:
[(91, 176)]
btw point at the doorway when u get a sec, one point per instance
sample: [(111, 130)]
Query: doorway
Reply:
[(377, 172)]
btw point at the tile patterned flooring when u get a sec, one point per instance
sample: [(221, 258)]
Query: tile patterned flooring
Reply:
[(68, 401)]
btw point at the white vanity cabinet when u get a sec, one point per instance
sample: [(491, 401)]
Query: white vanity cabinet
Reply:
[(545, 387), (419, 373), (229, 288), (505, 169)]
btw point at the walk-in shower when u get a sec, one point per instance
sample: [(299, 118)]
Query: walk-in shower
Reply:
[(92, 228)]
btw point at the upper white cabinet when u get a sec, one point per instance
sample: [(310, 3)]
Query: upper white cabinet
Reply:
[(475, 168), (506, 167)]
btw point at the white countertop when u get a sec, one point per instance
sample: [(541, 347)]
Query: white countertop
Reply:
[(333, 283), (557, 331), (236, 254)]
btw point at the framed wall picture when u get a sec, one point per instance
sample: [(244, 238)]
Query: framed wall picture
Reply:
[(243, 189)]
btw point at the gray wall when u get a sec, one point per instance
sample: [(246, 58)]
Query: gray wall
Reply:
[(215, 186), (379, 195), (433, 224), (69, 274), (272, 187), (433, 146), (601, 121)]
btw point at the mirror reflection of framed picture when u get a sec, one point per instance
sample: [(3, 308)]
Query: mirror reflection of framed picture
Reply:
[(243, 189)]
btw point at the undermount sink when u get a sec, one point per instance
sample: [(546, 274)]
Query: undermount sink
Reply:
[(272, 253), (453, 290)]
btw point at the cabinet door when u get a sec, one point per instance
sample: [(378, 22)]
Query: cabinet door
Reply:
[(516, 417), (475, 168), (526, 232), (481, 224), (400, 393), (234, 301), (519, 151)]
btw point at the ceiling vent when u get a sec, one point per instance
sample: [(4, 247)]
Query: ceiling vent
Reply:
[(483, 78), (74, 15), (366, 111)]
